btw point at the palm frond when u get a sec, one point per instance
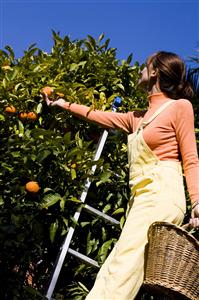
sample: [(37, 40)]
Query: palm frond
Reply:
[(192, 76)]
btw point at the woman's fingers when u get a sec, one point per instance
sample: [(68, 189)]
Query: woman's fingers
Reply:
[(194, 221), (59, 102), (47, 100)]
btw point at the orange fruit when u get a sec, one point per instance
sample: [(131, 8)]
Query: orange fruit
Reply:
[(32, 187), (23, 115), (48, 90), (10, 109), (31, 115)]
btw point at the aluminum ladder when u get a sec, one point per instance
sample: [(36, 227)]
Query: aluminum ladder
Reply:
[(65, 246)]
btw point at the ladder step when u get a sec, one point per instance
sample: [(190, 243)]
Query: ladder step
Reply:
[(83, 257), (97, 212)]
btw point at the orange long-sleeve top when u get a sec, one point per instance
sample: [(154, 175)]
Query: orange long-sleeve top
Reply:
[(171, 135)]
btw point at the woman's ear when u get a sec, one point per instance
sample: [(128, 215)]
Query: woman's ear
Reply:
[(153, 73)]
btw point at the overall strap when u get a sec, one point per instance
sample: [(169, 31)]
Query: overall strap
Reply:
[(157, 112)]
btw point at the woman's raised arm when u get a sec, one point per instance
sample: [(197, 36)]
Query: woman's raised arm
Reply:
[(107, 119)]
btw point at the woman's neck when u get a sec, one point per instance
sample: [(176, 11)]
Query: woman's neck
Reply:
[(154, 89), (156, 99)]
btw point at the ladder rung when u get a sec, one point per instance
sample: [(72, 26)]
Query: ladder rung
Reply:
[(83, 257), (101, 214)]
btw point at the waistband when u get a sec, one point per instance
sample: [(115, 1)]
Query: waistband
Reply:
[(176, 165)]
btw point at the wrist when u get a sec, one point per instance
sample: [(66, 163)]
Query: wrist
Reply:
[(194, 204), (66, 105)]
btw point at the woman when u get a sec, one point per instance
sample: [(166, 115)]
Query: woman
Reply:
[(158, 139)]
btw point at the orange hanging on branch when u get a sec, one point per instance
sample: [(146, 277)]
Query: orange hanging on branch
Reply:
[(10, 109), (32, 187), (48, 90), (31, 116)]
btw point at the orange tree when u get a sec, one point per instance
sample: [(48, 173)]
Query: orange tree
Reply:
[(46, 155)]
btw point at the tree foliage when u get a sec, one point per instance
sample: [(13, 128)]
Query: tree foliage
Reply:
[(56, 150)]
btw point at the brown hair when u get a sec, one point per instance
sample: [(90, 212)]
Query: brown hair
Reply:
[(171, 72)]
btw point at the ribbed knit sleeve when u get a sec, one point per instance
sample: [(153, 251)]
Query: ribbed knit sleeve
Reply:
[(187, 144), (123, 121)]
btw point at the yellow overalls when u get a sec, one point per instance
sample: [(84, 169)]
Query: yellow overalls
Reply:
[(157, 194)]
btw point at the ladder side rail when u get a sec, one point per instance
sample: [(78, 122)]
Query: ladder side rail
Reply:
[(69, 236), (66, 243)]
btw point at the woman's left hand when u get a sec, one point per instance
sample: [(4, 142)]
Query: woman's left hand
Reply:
[(194, 221)]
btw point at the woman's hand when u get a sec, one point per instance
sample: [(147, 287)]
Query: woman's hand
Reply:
[(194, 221), (46, 99), (59, 102)]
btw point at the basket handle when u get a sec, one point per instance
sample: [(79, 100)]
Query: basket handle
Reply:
[(186, 226)]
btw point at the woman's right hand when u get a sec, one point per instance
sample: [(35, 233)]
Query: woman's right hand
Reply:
[(59, 102), (46, 99)]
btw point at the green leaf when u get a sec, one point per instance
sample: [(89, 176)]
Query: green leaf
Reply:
[(75, 223), (104, 234), (4, 83), (14, 74), (2, 118), (1, 200), (11, 52), (101, 37), (122, 220), (16, 154), (107, 208), (67, 138), (92, 41), (92, 244), (74, 199), (73, 152), (53, 229), (39, 108), (21, 127), (73, 174), (65, 221), (89, 46), (107, 44), (103, 252), (129, 59), (120, 86), (17, 86), (62, 204), (83, 224), (83, 286), (78, 140), (50, 200), (118, 211), (6, 166), (105, 177), (43, 155), (82, 63), (74, 67)]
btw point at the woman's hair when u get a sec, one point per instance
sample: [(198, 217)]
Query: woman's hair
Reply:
[(172, 77)]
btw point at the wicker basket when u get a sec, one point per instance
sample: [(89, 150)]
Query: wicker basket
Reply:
[(172, 262)]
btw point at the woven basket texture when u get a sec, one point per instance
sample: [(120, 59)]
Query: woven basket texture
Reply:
[(171, 262)]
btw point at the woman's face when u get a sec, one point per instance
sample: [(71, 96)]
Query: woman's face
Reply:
[(147, 75), (144, 77)]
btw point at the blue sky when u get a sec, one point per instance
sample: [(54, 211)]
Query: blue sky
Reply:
[(138, 27)]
